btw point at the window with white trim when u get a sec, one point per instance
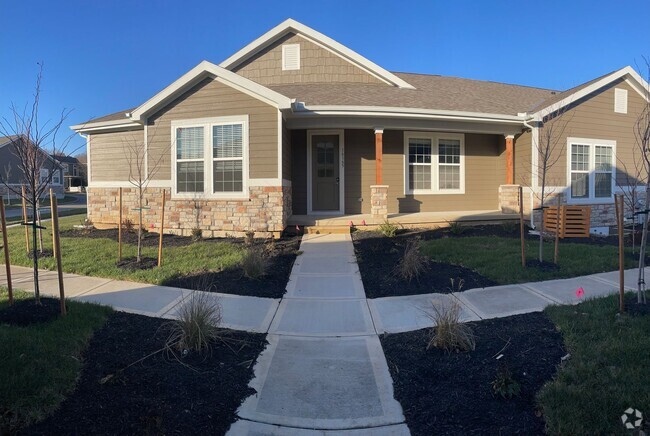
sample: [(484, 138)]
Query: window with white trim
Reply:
[(56, 178), (211, 157), (591, 169), (434, 163), (44, 174)]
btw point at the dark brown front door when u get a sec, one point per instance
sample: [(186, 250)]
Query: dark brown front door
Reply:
[(325, 173)]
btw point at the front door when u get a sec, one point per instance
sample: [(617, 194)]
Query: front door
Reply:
[(325, 173)]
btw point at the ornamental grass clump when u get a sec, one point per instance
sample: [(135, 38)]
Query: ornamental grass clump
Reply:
[(413, 263), (254, 263), (388, 229), (198, 323), (449, 332)]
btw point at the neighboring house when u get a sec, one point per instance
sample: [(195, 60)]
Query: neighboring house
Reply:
[(11, 175), (74, 172), (296, 125)]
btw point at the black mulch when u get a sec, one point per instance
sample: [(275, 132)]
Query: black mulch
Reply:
[(41, 254), (150, 239), (451, 393), (160, 395), (132, 264), (379, 256), (26, 312)]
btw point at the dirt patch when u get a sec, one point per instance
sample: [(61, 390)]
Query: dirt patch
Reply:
[(26, 312), (131, 263), (378, 257), (449, 394), (160, 395), (280, 255), (41, 254)]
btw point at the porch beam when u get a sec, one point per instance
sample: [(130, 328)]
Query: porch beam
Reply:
[(379, 154), (510, 159)]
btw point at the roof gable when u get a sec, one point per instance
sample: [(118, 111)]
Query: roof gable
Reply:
[(291, 26)]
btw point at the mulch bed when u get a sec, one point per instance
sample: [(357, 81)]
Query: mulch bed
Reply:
[(451, 393), (132, 264), (378, 257), (26, 312), (198, 395), (41, 254), (150, 239)]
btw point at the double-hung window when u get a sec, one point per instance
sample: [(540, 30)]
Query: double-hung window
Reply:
[(591, 169), (434, 163), (211, 157)]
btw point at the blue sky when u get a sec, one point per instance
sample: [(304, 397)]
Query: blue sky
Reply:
[(103, 56)]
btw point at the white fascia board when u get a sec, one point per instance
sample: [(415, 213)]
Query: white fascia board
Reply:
[(198, 73), (292, 26), (539, 115), (106, 125), (400, 112)]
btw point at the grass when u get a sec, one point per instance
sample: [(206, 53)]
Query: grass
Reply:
[(500, 258), (98, 257), (41, 363), (607, 371)]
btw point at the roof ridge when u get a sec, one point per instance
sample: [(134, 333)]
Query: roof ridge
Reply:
[(479, 80)]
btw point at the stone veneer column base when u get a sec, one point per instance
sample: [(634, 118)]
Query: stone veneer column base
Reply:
[(379, 202), (509, 198)]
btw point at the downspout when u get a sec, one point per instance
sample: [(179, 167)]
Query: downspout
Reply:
[(533, 177)]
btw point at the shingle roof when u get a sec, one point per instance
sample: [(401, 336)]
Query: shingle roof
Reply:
[(119, 115), (432, 92)]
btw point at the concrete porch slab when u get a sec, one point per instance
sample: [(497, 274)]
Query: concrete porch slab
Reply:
[(322, 384), (564, 291), (238, 312), (407, 313), (500, 301), (134, 297), (250, 428), (325, 286), (310, 317), (306, 264)]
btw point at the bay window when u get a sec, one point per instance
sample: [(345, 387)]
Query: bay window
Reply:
[(434, 163), (591, 169), (211, 157)]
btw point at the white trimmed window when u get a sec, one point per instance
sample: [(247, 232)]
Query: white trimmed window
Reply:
[(435, 163), (591, 169), (56, 177), (44, 174), (211, 157)]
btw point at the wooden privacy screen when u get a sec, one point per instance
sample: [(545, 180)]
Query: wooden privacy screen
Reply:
[(574, 221)]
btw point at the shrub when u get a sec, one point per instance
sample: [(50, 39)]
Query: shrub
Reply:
[(449, 333), (199, 318), (197, 234), (248, 238), (504, 384), (388, 229), (456, 228), (254, 263), (127, 225), (413, 263)]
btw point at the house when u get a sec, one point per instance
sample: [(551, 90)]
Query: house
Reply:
[(11, 173), (74, 172), (296, 127)]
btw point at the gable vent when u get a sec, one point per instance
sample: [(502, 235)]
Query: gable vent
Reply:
[(620, 101), (291, 57)]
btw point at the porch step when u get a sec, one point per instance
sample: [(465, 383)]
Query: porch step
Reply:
[(323, 230)]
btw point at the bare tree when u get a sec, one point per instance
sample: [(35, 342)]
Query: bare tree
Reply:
[(642, 135), (550, 146), (32, 142)]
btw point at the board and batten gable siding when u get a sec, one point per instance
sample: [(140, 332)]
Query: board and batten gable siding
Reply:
[(109, 155), (317, 65), (484, 172), (208, 99), (594, 118)]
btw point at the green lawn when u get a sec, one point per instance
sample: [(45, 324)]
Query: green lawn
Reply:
[(500, 258), (41, 363), (97, 257), (606, 374)]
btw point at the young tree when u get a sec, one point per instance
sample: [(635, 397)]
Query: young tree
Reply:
[(32, 142)]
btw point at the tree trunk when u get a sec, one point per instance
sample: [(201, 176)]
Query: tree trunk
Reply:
[(641, 298), (140, 197), (37, 292), (541, 227)]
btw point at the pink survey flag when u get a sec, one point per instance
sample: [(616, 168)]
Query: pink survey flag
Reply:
[(580, 292)]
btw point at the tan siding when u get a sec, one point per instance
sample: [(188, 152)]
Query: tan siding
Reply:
[(211, 98), (359, 170), (317, 65), (109, 155), (299, 171), (523, 153), (594, 118), (286, 152)]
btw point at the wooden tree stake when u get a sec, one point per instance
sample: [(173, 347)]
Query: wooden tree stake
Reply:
[(24, 196), (558, 217), (521, 227), (621, 254), (56, 246), (5, 245), (119, 232), (162, 227)]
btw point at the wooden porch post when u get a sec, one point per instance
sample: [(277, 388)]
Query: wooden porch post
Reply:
[(510, 160), (379, 154)]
